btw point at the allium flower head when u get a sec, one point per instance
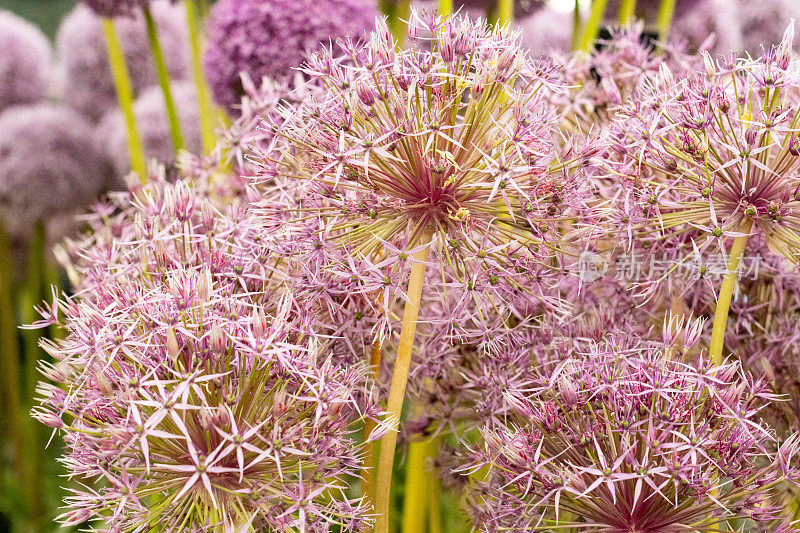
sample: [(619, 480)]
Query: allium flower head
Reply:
[(116, 8), (83, 58), (270, 38), (24, 63), (622, 437), (153, 127), (48, 164), (763, 23), (718, 152), (188, 395), (545, 31), (455, 143)]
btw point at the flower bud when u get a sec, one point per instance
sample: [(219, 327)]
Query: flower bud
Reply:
[(173, 348), (217, 340)]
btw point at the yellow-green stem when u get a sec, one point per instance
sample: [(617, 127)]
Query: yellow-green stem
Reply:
[(163, 80), (664, 21), (397, 390), (203, 95), (9, 359), (435, 496), (576, 25), (416, 491), (445, 7), (726, 292), (368, 470), (33, 294), (505, 11), (627, 9), (122, 83), (592, 26)]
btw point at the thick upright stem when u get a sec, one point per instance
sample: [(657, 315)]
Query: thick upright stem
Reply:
[(726, 293), (664, 21), (576, 25), (163, 80), (592, 27), (122, 82), (416, 491), (9, 359), (398, 388), (445, 7), (34, 293), (434, 496), (203, 95), (627, 9), (505, 11)]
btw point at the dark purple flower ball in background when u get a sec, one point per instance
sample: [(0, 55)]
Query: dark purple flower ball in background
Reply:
[(116, 8), (25, 58), (88, 85), (269, 38), (49, 164), (151, 121)]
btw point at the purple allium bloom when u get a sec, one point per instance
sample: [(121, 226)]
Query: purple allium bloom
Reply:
[(153, 127), (270, 38), (763, 22), (626, 437), (83, 58), (717, 151), (48, 164), (117, 8), (24, 62), (457, 143), (546, 31), (192, 399)]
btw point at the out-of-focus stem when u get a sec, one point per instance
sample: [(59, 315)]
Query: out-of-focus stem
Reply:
[(122, 82), (434, 492), (445, 7), (505, 11), (592, 27), (163, 80), (576, 25), (627, 9), (368, 471), (664, 21), (726, 293), (9, 357), (397, 391), (416, 490), (203, 95)]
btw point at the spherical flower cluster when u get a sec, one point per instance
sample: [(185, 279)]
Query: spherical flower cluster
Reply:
[(271, 38), (763, 23), (117, 8), (623, 437), (48, 164), (187, 392), (716, 152), (152, 126), (88, 85), (24, 63), (456, 144), (546, 31)]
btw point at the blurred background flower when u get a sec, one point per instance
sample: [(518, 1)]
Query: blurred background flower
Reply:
[(271, 38)]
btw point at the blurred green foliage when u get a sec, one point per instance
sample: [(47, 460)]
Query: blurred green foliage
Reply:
[(46, 14)]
